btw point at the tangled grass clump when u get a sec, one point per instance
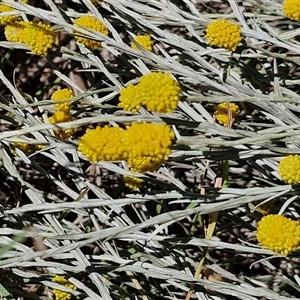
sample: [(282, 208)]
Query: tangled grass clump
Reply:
[(125, 182)]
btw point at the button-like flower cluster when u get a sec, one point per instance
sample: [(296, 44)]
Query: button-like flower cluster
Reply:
[(157, 91), (60, 95), (148, 145), (25, 147), (291, 9), (61, 295), (226, 112), (63, 116), (38, 37), (144, 146), (8, 19), (129, 98), (104, 143), (133, 183), (279, 234), (90, 23), (63, 113), (144, 40), (223, 34), (289, 169)]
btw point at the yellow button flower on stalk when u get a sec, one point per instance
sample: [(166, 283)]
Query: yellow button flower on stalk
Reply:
[(9, 19), (132, 182), (103, 143), (25, 147), (224, 110), (289, 169), (223, 34), (130, 99), (144, 40), (291, 9), (62, 116), (279, 234), (38, 37), (157, 91), (13, 32), (64, 94), (148, 145), (90, 23), (61, 295)]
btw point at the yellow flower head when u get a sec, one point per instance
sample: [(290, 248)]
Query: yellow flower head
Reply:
[(291, 9), (38, 37), (289, 169), (223, 34), (143, 40), (62, 116), (133, 183), (103, 143), (148, 145), (13, 32), (130, 99), (26, 148), (225, 110), (91, 23), (9, 19), (159, 92), (64, 94), (279, 234), (61, 295)]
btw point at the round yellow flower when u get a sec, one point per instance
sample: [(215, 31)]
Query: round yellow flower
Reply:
[(223, 34), (62, 116), (144, 40), (223, 111), (61, 295), (7, 19), (148, 145), (159, 92), (13, 32), (91, 23), (133, 183), (291, 8), (26, 148), (103, 144), (38, 37), (279, 234), (64, 94), (130, 99), (289, 169)]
